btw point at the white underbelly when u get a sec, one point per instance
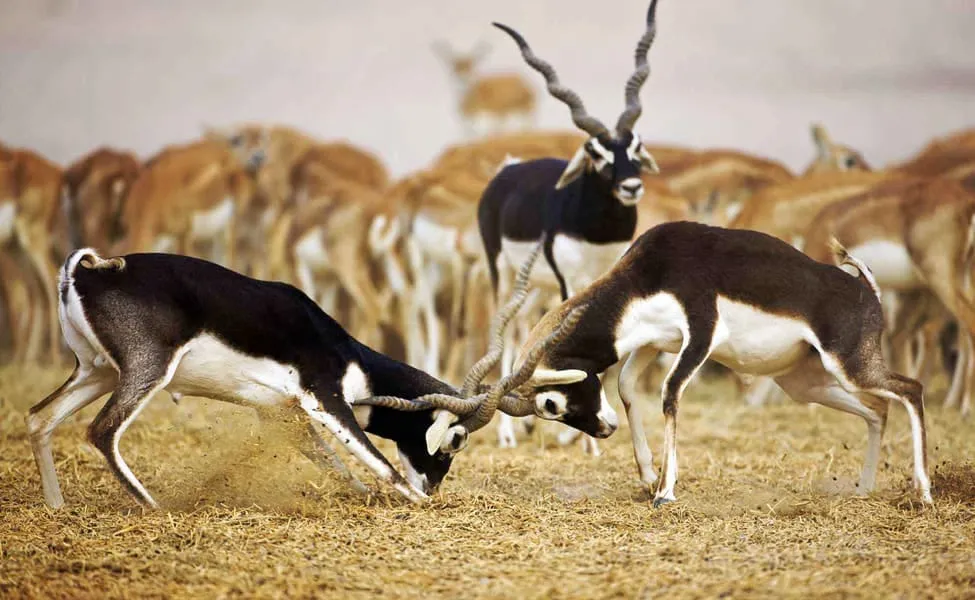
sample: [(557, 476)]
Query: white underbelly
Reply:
[(8, 213), (749, 340), (208, 224), (435, 240), (890, 262), (310, 250), (210, 368), (580, 262), (745, 339)]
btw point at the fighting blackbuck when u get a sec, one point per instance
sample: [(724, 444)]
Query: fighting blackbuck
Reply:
[(583, 209), (742, 298), (142, 323)]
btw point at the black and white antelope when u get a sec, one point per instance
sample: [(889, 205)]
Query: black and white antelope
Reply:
[(744, 299), (584, 209), (143, 323)]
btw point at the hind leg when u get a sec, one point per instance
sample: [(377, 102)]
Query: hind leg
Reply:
[(138, 383), (84, 386), (810, 382)]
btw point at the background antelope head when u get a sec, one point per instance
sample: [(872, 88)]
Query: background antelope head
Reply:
[(463, 65), (617, 157)]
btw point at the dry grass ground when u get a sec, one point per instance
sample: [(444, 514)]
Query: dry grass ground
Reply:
[(764, 509)]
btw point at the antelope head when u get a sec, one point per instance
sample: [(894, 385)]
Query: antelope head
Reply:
[(617, 157)]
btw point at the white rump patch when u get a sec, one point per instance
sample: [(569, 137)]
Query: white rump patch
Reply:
[(890, 263)]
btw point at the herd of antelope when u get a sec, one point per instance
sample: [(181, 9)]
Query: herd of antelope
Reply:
[(778, 276)]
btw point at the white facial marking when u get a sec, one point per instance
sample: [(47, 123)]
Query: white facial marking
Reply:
[(550, 405), (606, 155), (633, 150)]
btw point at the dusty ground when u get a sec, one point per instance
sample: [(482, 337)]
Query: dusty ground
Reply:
[(763, 509)]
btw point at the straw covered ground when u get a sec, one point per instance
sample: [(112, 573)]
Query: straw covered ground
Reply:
[(764, 509)]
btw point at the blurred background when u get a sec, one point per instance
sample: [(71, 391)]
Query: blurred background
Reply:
[(884, 76)]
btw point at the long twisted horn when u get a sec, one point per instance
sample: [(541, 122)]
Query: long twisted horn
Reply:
[(510, 404), (580, 117), (632, 91), (483, 366), (486, 409)]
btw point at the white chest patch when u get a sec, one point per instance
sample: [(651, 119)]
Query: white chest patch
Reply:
[(212, 369), (890, 262), (8, 212), (208, 224), (580, 262), (751, 341), (355, 386), (657, 321)]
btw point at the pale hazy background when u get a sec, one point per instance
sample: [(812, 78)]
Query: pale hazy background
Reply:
[(882, 75)]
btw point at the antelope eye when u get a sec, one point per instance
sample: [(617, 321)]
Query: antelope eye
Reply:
[(550, 406), (850, 162)]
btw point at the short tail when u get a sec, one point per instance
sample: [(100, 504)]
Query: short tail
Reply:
[(844, 258)]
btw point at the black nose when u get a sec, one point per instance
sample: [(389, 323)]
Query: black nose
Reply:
[(632, 187)]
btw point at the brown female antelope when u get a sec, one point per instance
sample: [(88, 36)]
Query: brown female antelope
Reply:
[(916, 234), (744, 299), (487, 103)]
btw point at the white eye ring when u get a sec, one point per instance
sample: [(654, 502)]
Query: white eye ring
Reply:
[(551, 405)]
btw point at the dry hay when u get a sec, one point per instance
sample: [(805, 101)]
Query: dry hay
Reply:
[(763, 510)]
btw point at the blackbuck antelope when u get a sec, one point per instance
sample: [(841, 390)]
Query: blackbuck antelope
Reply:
[(583, 209), (744, 299), (143, 323)]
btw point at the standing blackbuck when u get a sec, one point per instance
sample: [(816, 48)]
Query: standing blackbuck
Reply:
[(583, 209), (742, 298), (143, 323)]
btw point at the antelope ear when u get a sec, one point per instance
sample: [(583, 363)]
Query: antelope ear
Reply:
[(646, 161), (575, 168), (821, 139), (437, 431), (552, 377)]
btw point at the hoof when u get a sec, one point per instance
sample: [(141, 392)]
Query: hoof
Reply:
[(658, 502)]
